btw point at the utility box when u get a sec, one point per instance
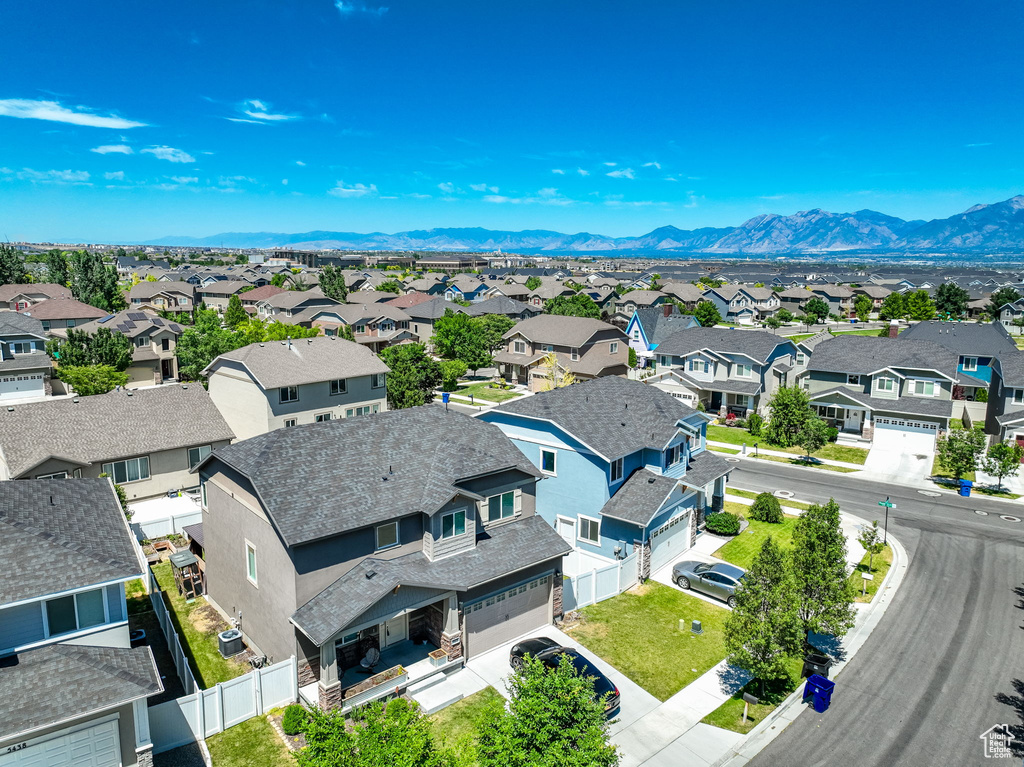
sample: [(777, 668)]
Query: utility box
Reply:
[(229, 642)]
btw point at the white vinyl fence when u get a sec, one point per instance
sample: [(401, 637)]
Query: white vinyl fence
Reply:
[(156, 597), (587, 588), (157, 528)]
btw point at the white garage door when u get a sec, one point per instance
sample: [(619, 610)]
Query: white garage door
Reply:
[(95, 746), (905, 435), (669, 541), (507, 615), (13, 386)]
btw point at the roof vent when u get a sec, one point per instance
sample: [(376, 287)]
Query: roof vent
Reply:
[(128, 393), (650, 480), (370, 574)]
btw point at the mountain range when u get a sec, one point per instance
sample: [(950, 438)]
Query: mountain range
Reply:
[(995, 227)]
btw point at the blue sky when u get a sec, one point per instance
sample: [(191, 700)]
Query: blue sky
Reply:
[(127, 121)]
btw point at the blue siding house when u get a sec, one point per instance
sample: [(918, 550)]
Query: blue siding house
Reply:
[(625, 464), (649, 326)]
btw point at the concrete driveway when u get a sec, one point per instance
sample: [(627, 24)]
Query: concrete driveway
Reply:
[(890, 464), (635, 701)]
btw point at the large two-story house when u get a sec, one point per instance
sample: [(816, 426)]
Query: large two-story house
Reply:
[(375, 326), (732, 372), (743, 304), (277, 384), (145, 440), (59, 314), (625, 464), (331, 539), (1005, 414), (897, 393), (154, 358), (162, 296), (649, 327), (585, 347), (74, 690), (25, 367)]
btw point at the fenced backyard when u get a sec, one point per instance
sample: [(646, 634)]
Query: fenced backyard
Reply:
[(588, 587)]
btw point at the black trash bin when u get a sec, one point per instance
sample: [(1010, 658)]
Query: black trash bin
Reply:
[(816, 663)]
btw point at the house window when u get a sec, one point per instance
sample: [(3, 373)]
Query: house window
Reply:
[(289, 394), (197, 454), (364, 410), (21, 347), (742, 371), (853, 379), (45, 324), (547, 461), (289, 422), (589, 530), (360, 328), (350, 638), (1018, 396), (338, 387), (519, 347), (672, 456), (70, 323), (377, 381), (616, 470), (321, 417), (636, 335), (970, 364), (165, 344), (75, 612), (547, 348), (202, 493), (250, 563), (55, 475), (453, 524), (501, 506), (924, 388), (131, 470), (885, 384), (663, 361), (574, 354), (613, 347), (801, 358), (387, 535)]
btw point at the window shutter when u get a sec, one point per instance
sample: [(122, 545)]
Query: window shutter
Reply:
[(518, 501)]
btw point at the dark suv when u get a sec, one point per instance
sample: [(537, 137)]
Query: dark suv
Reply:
[(550, 653)]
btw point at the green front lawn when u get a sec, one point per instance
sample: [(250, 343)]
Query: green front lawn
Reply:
[(482, 390), (752, 495), (879, 567), (252, 743), (726, 450), (831, 452), (198, 625), (801, 462), (940, 472), (451, 725), (729, 716), (799, 337), (742, 549), (638, 633), (138, 599), (856, 332)]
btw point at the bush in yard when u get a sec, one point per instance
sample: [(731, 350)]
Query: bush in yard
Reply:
[(294, 719), (754, 425), (739, 423), (981, 395), (451, 372), (766, 508), (722, 523), (832, 433)]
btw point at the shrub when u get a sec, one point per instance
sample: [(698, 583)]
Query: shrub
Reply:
[(766, 508), (754, 424), (294, 720), (739, 423), (981, 395), (722, 523), (833, 433)]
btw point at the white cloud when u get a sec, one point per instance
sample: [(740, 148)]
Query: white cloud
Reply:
[(260, 112), (54, 176), (622, 173), (610, 164), (418, 196), (547, 196), (284, 181), (54, 112), (652, 165), (583, 172), (114, 175), (232, 182), (558, 171), (169, 153), (352, 7), (484, 188), (354, 190), (982, 143), (300, 163), (112, 149), (671, 178), (243, 120), (449, 188), (185, 179)]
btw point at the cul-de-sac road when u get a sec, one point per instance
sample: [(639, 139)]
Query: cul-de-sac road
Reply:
[(947, 661)]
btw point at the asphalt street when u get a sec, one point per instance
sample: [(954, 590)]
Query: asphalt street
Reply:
[(945, 663)]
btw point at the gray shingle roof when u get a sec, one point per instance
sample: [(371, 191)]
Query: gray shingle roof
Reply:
[(1011, 369), (614, 416), (59, 682), (321, 479), (48, 289), (499, 305), (30, 361), (432, 309), (61, 534), (306, 360), (728, 385), (63, 309), (704, 468), (924, 406), (195, 532), (561, 331), (756, 344), (14, 324), (498, 552), (983, 340), (657, 327), (119, 424), (640, 497), (863, 355)]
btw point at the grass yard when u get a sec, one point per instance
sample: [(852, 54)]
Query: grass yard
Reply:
[(482, 391), (453, 724), (726, 450), (729, 716), (1004, 493), (940, 472), (879, 567), (638, 633), (856, 332), (742, 549), (252, 743), (799, 337), (798, 462), (138, 599), (198, 625), (831, 451), (752, 495)]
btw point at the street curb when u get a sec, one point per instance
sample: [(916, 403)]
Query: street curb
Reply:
[(776, 722)]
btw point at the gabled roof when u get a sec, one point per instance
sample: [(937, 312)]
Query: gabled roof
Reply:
[(15, 324), (408, 300), (433, 309), (132, 323), (62, 534), (561, 331), (657, 327), (642, 297), (148, 289), (640, 497), (321, 479), (865, 355), (924, 406), (261, 293), (103, 427), (612, 416), (1011, 369), (289, 299), (972, 338), (500, 305), (64, 309), (756, 344), (50, 290)]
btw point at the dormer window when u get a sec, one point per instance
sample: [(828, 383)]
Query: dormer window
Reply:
[(853, 379), (519, 347), (885, 384), (970, 364), (672, 456), (743, 371)]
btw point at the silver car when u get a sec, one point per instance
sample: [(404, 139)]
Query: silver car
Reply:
[(717, 580)]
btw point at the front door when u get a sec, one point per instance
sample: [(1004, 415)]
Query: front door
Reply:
[(395, 630), (567, 529), (853, 420), (166, 369)]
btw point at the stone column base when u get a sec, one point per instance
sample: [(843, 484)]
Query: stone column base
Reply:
[(330, 697), (144, 756), (556, 596), (452, 645)]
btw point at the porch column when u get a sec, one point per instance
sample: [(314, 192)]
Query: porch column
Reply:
[(329, 686), (143, 742), (718, 497), (451, 637)]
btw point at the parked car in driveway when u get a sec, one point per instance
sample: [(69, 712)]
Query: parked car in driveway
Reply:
[(719, 579), (550, 653)]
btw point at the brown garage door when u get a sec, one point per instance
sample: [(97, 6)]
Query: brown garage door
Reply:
[(506, 615)]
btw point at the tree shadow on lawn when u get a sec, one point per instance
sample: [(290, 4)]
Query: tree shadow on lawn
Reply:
[(732, 679), (830, 645)]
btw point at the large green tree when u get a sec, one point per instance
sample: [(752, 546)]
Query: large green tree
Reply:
[(95, 283), (816, 307), (707, 314), (893, 307), (999, 299), (951, 300), (391, 286), (862, 306), (579, 305), (199, 345), (824, 594), (332, 283), (235, 313), (919, 306), (104, 347), (532, 283), (12, 266), (458, 336), (88, 380), (552, 720), (1002, 460), (414, 375), (57, 267), (961, 450), (763, 630), (495, 326), (790, 408)]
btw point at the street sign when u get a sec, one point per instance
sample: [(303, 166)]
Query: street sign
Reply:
[(887, 503)]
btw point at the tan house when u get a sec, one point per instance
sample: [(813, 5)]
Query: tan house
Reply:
[(376, 326), (155, 340), (19, 298), (587, 348), (163, 296), (59, 314)]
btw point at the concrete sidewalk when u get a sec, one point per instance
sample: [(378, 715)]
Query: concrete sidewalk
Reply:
[(781, 454)]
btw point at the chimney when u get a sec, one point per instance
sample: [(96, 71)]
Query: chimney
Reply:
[(894, 328), (667, 309)]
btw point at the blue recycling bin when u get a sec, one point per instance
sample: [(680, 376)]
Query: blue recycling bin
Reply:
[(819, 689), (965, 487), (444, 397)]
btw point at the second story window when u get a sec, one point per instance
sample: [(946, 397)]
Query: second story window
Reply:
[(289, 422), (289, 394), (616, 470), (547, 461), (1018, 396), (387, 535), (519, 347), (742, 371), (501, 506), (377, 381), (970, 364), (801, 358), (338, 387), (613, 347), (165, 344), (853, 379), (924, 388), (21, 347), (197, 454), (574, 354), (453, 524), (250, 563), (321, 417), (885, 384), (141, 341), (672, 456), (131, 470), (75, 612)]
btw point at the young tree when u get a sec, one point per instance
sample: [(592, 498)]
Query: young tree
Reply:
[(871, 540), (892, 307), (631, 359), (458, 336), (579, 305), (235, 313), (824, 593), (1003, 460), (773, 322), (57, 267), (766, 508), (707, 314), (279, 279), (763, 630), (12, 266), (961, 450), (87, 380), (451, 372), (95, 283), (556, 376), (332, 283), (281, 331), (552, 720), (813, 435), (919, 306), (414, 375), (951, 300), (391, 286), (789, 407), (532, 283), (1000, 298), (862, 307), (784, 314)]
